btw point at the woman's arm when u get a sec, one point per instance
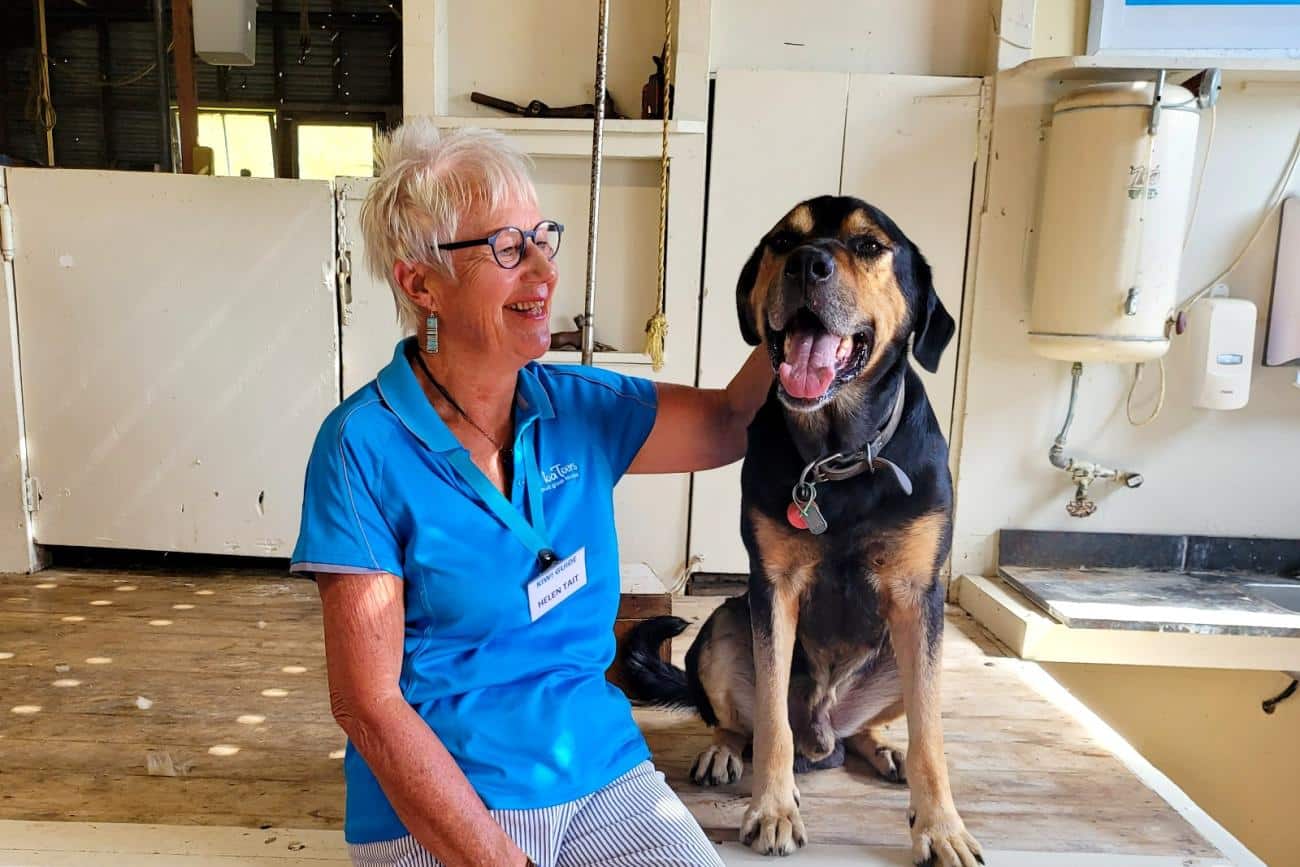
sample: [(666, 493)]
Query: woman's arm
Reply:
[(699, 428), (364, 626)]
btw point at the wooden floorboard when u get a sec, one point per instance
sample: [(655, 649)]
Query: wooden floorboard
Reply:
[(1025, 776)]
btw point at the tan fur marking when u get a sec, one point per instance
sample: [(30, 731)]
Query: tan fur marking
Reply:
[(773, 739), (788, 561), (800, 220), (879, 295), (769, 270), (906, 571), (907, 565), (858, 223), (722, 669), (789, 556)]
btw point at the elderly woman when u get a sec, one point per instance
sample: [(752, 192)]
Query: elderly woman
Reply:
[(469, 589)]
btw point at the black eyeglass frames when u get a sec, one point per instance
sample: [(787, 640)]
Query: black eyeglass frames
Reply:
[(507, 244)]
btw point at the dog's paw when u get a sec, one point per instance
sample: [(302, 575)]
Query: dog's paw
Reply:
[(719, 765), (772, 825), (816, 742), (889, 763), (940, 839)]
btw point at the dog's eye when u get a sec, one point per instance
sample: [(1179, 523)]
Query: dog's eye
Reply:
[(782, 242), (866, 246)]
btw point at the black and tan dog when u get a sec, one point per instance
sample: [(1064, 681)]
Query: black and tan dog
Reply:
[(846, 514)]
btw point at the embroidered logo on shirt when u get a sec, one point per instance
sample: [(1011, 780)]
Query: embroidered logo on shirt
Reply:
[(557, 474)]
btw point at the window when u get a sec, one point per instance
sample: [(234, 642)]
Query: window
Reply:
[(241, 141), (329, 150)]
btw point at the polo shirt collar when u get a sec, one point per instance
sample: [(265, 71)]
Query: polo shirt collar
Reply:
[(402, 392)]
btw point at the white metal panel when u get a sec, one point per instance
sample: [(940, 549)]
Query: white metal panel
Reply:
[(179, 352), (17, 553), (777, 139), (909, 149)]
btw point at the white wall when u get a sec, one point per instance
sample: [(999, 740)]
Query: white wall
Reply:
[(915, 37), (1235, 473)]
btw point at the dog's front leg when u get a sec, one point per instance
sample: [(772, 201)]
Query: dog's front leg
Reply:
[(772, 825), (914, 612)]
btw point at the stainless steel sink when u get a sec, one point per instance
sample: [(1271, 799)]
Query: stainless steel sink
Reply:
[(1285, 595)]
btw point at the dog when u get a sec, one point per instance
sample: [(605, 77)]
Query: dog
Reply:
[(846, 514)]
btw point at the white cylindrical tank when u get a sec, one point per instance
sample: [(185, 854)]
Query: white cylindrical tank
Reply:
[(1110, 235)]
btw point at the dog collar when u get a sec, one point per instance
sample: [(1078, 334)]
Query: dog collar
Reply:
[(803, 513)]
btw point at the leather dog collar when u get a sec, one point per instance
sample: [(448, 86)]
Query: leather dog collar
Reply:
[(803, 513)]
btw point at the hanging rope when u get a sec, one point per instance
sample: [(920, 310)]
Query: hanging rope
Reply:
[(40, 108), (657, 328)]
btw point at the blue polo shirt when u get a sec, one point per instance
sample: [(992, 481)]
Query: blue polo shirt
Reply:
[(522, 706)]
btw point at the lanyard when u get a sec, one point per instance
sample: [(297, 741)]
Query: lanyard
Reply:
[(533, 536)]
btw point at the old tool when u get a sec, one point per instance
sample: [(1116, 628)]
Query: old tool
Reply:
[(573, 339), (537, 108)]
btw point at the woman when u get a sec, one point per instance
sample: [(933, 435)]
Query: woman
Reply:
[(458, 518)]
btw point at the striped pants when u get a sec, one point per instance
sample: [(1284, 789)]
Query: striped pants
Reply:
[(635, 821)]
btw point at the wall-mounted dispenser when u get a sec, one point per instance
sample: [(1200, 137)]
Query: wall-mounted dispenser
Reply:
[(1221, 332)]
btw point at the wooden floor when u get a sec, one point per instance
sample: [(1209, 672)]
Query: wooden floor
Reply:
[(201, 700)]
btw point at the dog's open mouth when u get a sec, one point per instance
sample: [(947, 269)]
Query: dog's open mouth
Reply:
[(810, 360)]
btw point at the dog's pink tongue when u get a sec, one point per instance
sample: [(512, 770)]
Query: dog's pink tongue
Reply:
[(809, 366)]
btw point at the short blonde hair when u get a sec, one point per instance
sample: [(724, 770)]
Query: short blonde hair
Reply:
[(429, 180)]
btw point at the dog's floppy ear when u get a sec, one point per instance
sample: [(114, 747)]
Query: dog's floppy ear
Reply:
[(744, 292), (934, 326)]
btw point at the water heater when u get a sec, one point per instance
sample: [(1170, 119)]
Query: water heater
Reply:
[(1114, 211)]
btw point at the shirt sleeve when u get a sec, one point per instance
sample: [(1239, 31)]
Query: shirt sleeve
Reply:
[(619, 412), (343, 526)]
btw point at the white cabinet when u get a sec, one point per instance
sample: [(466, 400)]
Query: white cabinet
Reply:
[(178, 347), (906, 144)]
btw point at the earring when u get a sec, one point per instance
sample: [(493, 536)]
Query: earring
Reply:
[(431, 333)]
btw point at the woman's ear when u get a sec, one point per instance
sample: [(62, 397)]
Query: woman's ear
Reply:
[(411, 276)]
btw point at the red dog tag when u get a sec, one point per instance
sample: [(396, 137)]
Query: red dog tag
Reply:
[(795, 518)]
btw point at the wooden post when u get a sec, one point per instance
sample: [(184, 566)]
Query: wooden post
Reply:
[(187, 95)]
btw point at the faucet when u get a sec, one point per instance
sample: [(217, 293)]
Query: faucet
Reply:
[(1083, 473)]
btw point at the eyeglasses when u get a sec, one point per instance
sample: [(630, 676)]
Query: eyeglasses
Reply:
[(507, 244)]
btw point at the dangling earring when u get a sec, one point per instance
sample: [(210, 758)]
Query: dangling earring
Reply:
[(431, 333)]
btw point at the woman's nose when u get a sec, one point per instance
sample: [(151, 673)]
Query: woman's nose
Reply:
[(535, 260)]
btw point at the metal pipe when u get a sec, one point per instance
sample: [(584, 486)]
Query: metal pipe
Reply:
[(597, 143), (1083, 473), (1057, 453), (164, 92)]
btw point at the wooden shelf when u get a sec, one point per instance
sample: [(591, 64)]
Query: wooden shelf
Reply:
[(1100, 67), (571, 137), (577, 124)]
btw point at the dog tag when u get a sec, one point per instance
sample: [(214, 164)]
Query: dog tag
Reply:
[(813, 516), (795, 517)]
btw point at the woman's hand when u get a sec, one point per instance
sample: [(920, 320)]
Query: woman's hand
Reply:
[(703, 428)]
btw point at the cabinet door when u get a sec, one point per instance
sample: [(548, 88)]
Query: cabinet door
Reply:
[(778, 138), (909, 149), (179, 351), (904, 143)]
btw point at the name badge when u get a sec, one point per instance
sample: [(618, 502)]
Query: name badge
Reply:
[(557, 584)]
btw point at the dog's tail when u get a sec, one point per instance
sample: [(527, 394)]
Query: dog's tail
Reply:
[(648, 680)]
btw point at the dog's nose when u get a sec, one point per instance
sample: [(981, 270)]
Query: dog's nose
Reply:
[(812, 265)]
